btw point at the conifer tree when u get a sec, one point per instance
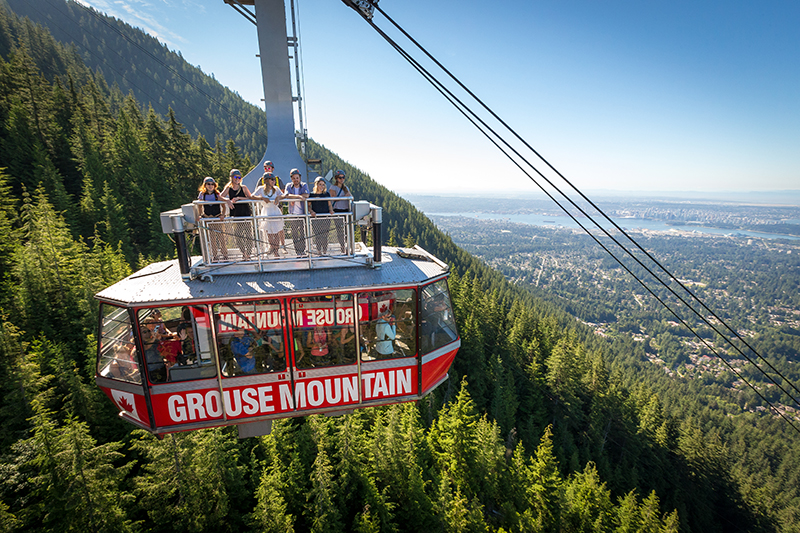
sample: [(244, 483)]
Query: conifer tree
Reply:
[(545, 494), (271, 514), (452, 440), (324, 515), (588, 502), (400, 462), (77, 481), (188, 479)]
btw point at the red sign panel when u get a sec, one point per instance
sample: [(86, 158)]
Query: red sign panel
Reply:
[(246, 401)]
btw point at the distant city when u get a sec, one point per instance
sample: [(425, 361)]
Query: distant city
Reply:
[(676, 216)]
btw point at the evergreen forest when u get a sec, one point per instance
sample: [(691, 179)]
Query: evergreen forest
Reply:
[(541, 426)]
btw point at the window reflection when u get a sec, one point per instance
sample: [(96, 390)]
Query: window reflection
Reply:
[(118, 358), (388, 331), (250, 337), (177, 343), (437, 325), (323, 331)]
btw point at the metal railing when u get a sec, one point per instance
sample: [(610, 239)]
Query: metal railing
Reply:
[(273, 238)]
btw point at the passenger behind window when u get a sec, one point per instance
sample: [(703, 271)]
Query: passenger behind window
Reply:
[(241, 346), (124, 365), (156, 366), (185, 333), (385, 333), (318, 342), (434, 329), (343, 346), (276, 362)]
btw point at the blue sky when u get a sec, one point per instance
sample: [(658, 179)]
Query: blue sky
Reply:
[(617, 95)]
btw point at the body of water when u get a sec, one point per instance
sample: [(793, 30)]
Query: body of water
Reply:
[(553, 221)]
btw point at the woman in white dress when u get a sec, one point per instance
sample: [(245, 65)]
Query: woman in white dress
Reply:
[(272, 226)]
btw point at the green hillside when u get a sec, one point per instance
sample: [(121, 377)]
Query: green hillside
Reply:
[(531, 433)]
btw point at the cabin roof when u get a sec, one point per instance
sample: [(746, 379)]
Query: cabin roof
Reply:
[(161, 283)]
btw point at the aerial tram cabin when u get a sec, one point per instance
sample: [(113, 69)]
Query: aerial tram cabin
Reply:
[(242, 335), (234, 341)]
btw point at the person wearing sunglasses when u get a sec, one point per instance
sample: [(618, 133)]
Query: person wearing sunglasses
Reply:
[(235, 191), (269, 168), (297, 191), (208, 193), (273, 225)]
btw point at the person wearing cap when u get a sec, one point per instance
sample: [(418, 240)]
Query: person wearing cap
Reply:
[(208, 193), (269, 168), (235, 191), (321, 226), (298, 191), (339, 189), (272, 226)]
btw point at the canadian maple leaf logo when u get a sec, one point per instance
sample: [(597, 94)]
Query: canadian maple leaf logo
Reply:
[(126, 403), (383, 306), (123, 403)]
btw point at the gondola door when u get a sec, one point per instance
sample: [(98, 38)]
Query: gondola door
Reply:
[(255, 380), (389, 360), (324, 343)]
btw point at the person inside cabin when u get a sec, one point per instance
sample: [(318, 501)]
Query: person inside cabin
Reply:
[(185, 333), (300, 360), (273, 225), (406, 339), (339, 189), (124, 365), (344, 345), (274, 341), (156, 366), (242, 348), (169, 346), (237, 192), (385, 332), (320, 226), (208, 193), (318, 341), (298, 191), (432, 326)]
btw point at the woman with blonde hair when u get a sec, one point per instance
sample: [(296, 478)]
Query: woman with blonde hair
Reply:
[(208, 193)]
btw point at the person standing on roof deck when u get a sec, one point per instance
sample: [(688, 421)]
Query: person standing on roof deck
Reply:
[(208, 193), (269, 168), (235, 191), (339, 189), (297, 190), (273, 226), (320, 225)]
